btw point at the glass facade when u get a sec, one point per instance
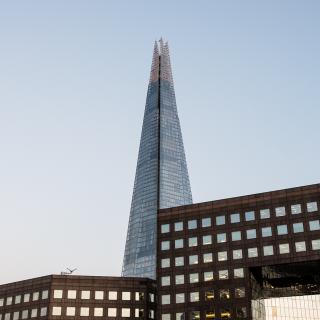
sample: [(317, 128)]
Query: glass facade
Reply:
[(161, 179)]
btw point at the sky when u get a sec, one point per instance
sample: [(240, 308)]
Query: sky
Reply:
[(73, 83)]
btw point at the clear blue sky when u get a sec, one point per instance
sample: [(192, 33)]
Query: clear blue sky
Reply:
[(73, 82)]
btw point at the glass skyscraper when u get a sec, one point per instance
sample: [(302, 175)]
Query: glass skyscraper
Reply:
[(161, 179)]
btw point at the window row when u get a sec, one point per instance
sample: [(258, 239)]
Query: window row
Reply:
[(211, 314), (236, 254), (236, 217), (100, 295), (264, 232), (209, 295), (24, 314), (206, 276), (27, 297), (101, 312)]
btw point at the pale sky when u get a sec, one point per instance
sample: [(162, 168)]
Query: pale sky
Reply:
[(73, 83)]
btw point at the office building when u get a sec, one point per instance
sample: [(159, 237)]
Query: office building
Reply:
[(161, 179)]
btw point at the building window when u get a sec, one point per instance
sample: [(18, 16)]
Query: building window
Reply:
[(1, 302), (209, 295), (296, 209), (194, 296), (221, 237), (298, 227), (280, 211), (264, 213), (180, 298), (57, 294), (207, 240), (178, 226), (266, 232), (17, 299), (238, 273), (98, 312), (139, 313), (239, 292), (220, 220), (192, 224), (43, 312), (252, 252), (179, 261), (241, 312), (282, 229), (165, 245), (45, 294), (194, 315), (165, 263), (7, 316), (251, 234), (224, 294), (178, 243), (165, 228), (210, 314), (112, 312), (179, 279), (35, 296), (112, 295), (126, 295), (250, 216), (284, 248), (223, 274), (208, 276), (165, 281), (15, 315), (166, 316), (300, 246), (314, 225), (312, 206), (207, 257), (268, 250), (151, 297), (26, 297), (72, 294), (236, 235), (139, 296), (315, 244), (34, 313), (180, 316), (193, 242), (56, 311), (71, 311), (206, 222), (165, 299), (9, 301), (222, 256), (194, 277), (193, 259), (98, 295), (125, 312), (235, 218), (84, 312), (85, 294), (237, 254), (151, 314)]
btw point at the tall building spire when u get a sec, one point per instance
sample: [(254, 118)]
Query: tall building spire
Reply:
[(161, 179)]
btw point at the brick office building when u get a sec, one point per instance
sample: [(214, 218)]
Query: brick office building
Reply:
[(78, 297), (217, 260)]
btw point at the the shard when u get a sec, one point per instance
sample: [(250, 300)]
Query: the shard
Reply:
[(161, 179)]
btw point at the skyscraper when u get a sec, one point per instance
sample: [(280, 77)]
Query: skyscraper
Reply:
[(161, 179)]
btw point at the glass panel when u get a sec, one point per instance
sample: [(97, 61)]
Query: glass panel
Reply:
[(165, 263), (165, 228), (237, 254), (251, 234), (235, 218), (298, 227), (193, 259), (236, 235), (264, 213), (238, 273), (252, 252), (280, 211), (222, 256), (193, 242), (207, 257), (178, 243), (220, 220), (266, 232), (284, 248), (282, 229), (250, 216), (194, 277), (314, 225), (296, 209), (312, 206), (207, 239), (179, 278), (192, 224), (268, 250), (223, 274), (224, 294), (179, 261), (300, 246), (206, 222), (178, 226), (221, 237), (208, 276)]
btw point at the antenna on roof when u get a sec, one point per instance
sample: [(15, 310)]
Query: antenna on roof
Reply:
[(70, 271)]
